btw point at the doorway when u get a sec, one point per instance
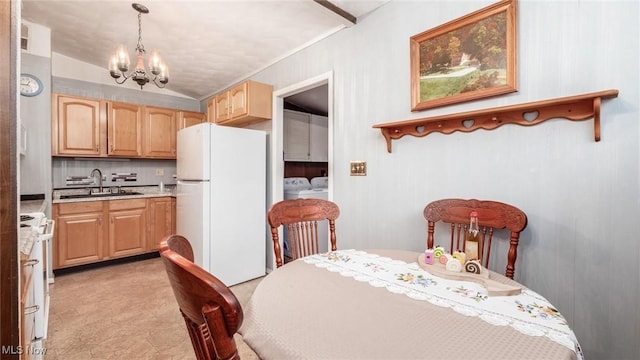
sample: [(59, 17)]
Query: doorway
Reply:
[(276, 168)]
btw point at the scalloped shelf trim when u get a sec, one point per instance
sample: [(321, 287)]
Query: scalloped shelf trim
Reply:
[(578, 107)]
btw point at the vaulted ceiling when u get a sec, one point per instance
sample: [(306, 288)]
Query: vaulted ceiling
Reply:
[(208, 45)]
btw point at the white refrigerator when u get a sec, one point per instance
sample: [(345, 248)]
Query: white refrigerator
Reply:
[(221, 199)]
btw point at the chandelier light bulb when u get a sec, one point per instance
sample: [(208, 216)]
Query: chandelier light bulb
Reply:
[(123, 58), (113, 67), (154, 63), (163, 76)]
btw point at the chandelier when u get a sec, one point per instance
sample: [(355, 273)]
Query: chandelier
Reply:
[(119, 63)]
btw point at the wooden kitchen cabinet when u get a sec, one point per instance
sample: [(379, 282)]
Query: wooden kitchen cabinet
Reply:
[(221, 107), (211, 110), (127, 227), (188, 118), (124, 129), (78, 126), (161, 215), (94, 231), (79, 234), (85, 127), (173, 215), (243, 104), (160, 128)]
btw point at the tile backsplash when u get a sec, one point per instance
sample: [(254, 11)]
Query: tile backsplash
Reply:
[(114, 171)]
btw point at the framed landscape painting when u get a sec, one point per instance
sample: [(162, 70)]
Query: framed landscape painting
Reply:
[(468, 58)]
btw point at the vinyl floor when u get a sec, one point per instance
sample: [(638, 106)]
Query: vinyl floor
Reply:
[(124, 311)]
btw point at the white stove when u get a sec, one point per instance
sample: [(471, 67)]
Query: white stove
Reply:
[(36, 233)]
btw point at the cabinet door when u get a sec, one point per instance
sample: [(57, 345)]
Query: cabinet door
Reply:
[(250, 101), (124, 124), (76, 126), (222, 107), (79, 239), (246, 103), (188, 118), (160, 221), (238, 96), (159, 133), (127, 232), (319, 138), (296, 136), (173, 215), (211, 110)]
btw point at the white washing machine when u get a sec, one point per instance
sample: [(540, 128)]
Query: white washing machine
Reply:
[(301, 188)]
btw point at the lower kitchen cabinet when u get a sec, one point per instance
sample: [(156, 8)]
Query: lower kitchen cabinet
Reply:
[(161, 217), (94, 231), (79, 234), (127, 227)]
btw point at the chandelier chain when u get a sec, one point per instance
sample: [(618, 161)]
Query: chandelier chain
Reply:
[(140, 47)]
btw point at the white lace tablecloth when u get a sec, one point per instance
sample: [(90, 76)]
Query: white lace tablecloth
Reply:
[(528, 312), (380, 304)]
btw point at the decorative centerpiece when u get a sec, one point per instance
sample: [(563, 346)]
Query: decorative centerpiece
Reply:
[(456, 266), (456, 262)]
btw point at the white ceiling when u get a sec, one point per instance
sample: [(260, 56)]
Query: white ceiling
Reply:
[(208, 45)]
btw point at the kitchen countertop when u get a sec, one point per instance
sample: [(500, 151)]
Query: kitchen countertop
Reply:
[(146, 192)]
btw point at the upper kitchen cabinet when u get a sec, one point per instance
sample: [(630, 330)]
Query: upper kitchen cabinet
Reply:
[(319, 138), (243, 104), (124, 130), (219, 108), (296, 136), (159, 133), (188, 118), (305, 137), (85, 127), (78, 126)]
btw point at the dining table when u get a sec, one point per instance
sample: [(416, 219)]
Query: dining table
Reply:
[(384, 304)]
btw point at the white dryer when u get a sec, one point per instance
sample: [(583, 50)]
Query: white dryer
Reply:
[(301, 188)]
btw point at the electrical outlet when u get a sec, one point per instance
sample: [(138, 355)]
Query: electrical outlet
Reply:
[(159, 172), (358, 168)]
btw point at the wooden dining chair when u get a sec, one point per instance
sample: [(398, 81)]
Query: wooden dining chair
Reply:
[(179, 244), (491, 215), (210, 310), (300, 220)]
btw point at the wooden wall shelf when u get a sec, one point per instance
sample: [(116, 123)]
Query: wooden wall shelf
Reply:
[(578, 107)]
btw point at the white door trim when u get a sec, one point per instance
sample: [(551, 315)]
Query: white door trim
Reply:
[(277, 158)]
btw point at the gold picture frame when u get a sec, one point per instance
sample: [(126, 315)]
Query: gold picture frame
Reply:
[(469, 58)]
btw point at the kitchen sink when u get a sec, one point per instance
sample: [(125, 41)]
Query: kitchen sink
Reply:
[(97, 195)]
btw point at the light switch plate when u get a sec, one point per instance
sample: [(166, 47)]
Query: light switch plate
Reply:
[(358, 168)]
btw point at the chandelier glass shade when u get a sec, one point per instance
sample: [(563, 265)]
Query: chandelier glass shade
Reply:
[(120, 63)]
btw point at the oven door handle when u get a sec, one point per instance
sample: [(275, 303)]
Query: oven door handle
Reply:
[(48, 230)]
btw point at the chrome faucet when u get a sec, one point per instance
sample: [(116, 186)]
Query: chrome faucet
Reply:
[(99, 177)]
